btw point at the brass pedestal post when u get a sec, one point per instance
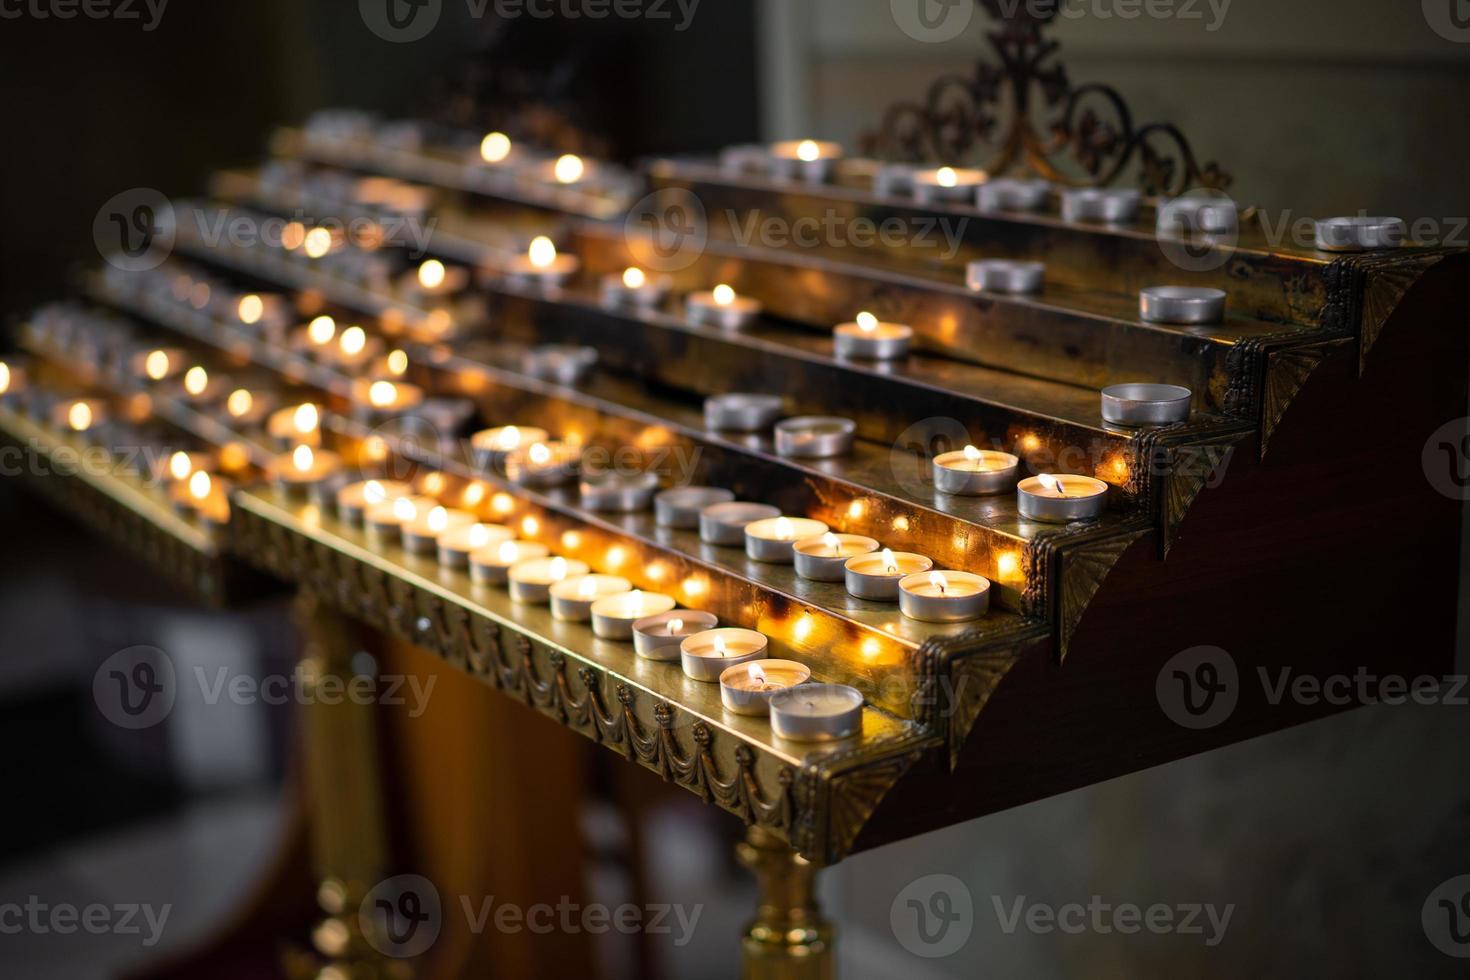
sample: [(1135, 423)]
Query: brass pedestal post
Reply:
[(789, 939)]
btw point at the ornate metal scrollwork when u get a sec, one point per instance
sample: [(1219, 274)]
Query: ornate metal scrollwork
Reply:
[(991, 111)]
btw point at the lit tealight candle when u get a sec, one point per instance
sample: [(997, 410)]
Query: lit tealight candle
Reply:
[(817, 712), (458, 543), (180, 466), (633, 288), (492, 446), (246, 407), (421, 535), (355, 499), (947, 184), (568, 169), (199, 386), (704, 656), (495, 148), (823, 557), (613, 616), (382, 397), (944, 597), (384, 521), (531, 580), (572, 599), (724, 523), (722, 307), (868, 338), (355, 347), (542, 267), (12, 380), (815, 437), (491, 564), (206, 497), (434, 278), (1061, 499), (319, 334), (296, 425), (658, 637), (771, 540), (876, 576), (972, 472), (543, 464), (80, 415), (305, 470), (746, 689), (808, 160), (160, 363)]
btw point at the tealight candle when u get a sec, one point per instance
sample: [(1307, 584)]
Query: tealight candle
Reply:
[(808, 160), (79, 415), (1061, 499), (738, 411), (542, 268), (491, 446), (814, 437), (619, 493), (542, 464), (680, 506), (746, 689), (246, 407), (159, 364), (817, 712), (496, 148), (1114, 206), (724, 523), (613, 616), (876, 576), (1011, 194), (355, 348), (1188, 305), (633, 288), (458, 543), (384, 521), (568, 170), (354, 499), (491, 564), (317, 337), (943, 597), (209, 499), (434, 278), (722, 307), (421, 535), (894, 178), (972, 472), (295, 425), (868, 338), (305, 471), (823, 557), (180, 466), (531, 580), (1145, 404), (383, 397), (947, 184), (704, 656), (564, 364), (572, 599), (1360, 234), (1184, 216), (1005, 276), (12, 380), (658, 637), (771, 539), (199, 386)]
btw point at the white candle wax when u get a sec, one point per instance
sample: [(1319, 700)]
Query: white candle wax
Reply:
[(531, 580), (746, 689), (823, 558), (458, 543), (491, 564), (817, 712), (421, 535), (613, 616), (354, 499), (944, 597), (771, 539), (572, 599), (876, 576), (704, 656)]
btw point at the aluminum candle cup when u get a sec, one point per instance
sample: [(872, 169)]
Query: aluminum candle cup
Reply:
[(972, 472), (1187, 305), (658, 637), (531, 580), (823, 557), (618, 493), (613, 616), (79, 415), (808, 160), (722, 307), (680, 506), (1010, 194), (817, 712), (458, 543), (1197, 215), (771, 539), (572, 599), (744, 157), (894, 178), (382, 397), (633, 289), (541, 268), (704, 656), (944, 597), (876, 576), (354, 499), (384, 521), (947, 184), (1360, 234), (867, 338), (1145, 404), (565, 364), (742, 412), (491, 564), (543, 464), (1005, 276), (1114, 206), (746, 689), (492, 446), (421, 535), (1061, 499), (724, 523), (814, 437), (305, 471)]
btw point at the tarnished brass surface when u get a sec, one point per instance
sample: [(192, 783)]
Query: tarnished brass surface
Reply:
[(788, 939)]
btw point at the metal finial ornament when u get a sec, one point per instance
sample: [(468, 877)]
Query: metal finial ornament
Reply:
[(962, 118)]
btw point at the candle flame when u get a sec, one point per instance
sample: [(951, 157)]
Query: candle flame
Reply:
[(354, 339), (867, 322), (831, 542), (972, 454), (473, 494), (502, 503), (80, 416), (318, 242), (890, 563), (542, 252), (321, 330), (634, 278), (946, 177), (200, 485), (155, 365), (1052, 484), (239, 403), (674, 625), (539, 454), (479, 536), (587, 588), (509, 551), (373, 492), (180, 466), (251, 309), (432, 273), (437, 520), (558, 569), (782, 529), (397, 362), (530, 526), (382, 393), (938, 580), (495, 147), (196, 379), (808, 150), (723, 295), (568, 169), (306, 418), (720, 650), (303, 458), (4, 377), (756, 673), (404, 509)]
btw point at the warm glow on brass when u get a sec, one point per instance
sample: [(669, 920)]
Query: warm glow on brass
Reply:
[(434, 484), (293, 236), (495, 147), (199, 295), (530, 527), (375, 448), (1007, 563), (617, 556), (1030, 442), (900, 523), (155, 365), (474, 494), (571, 540), (856, 509), (694, 587), (251, 309), (502, 503), (871, 647), (802, 631)]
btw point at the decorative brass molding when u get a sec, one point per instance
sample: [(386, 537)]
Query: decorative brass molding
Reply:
[(1172, 464), (1364, 289), (837, 792), (1093, 125), (1069, 567)]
